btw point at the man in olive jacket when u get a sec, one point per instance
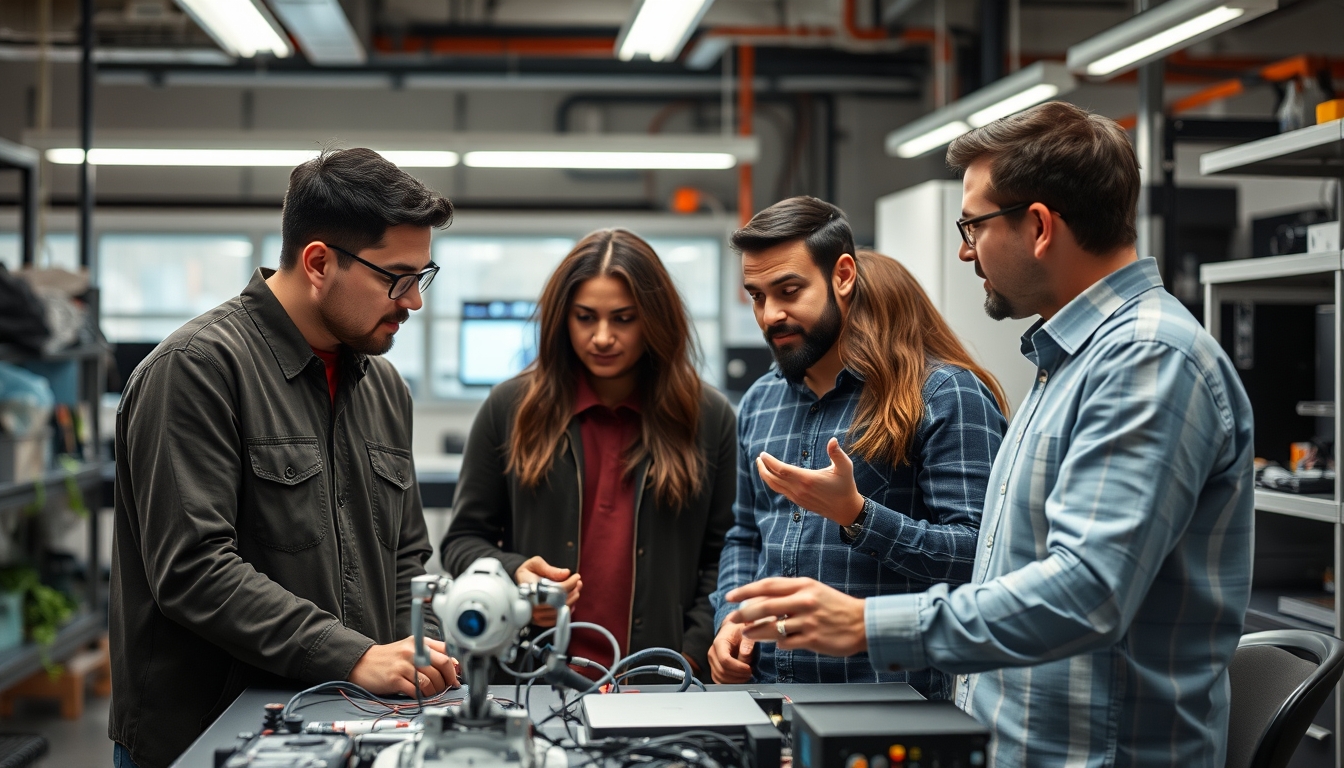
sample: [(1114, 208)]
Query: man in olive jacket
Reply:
[(268, 523)]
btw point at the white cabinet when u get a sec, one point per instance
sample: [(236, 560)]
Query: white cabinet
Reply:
[(917, 227)]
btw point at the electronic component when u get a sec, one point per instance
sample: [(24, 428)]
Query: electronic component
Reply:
[(887, 735), (659, 714), (287, 750)]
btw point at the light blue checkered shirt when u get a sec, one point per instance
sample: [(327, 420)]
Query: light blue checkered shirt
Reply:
[(1114, 561), (923, 516)]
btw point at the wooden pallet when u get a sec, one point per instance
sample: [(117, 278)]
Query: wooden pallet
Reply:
[(93, 665)]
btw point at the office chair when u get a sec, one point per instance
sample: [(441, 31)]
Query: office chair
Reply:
[(1280, 679)]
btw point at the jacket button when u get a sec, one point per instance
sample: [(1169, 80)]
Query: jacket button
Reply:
[(569, 544), (797, 516), (639, 622), (640, 552), (340, 500), (804, 453), (399, 475), (813, 409), (289, 473)]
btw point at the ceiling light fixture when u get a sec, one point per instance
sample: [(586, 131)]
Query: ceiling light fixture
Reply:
[(619, 151), (1027, 87), (658, 29), (322, 31), (1157, 32), (233, 158), (600, 160), (241, 27)]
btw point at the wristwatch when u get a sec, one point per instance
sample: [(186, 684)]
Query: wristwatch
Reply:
[(855, 529)]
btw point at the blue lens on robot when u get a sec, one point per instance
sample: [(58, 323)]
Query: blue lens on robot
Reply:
[(471, 622)]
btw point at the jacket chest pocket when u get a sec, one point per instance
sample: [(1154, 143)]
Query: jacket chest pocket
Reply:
[(393, 479), (289, 509)]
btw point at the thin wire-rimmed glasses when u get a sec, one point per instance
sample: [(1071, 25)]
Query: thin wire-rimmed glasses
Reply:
[(401, 283), (965, 226)]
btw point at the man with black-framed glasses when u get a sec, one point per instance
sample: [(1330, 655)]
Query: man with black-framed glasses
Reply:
[(267, 519), (1113, 569)]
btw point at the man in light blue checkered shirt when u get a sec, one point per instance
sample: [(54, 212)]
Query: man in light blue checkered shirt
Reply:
[(878, 524), (1113, 568)]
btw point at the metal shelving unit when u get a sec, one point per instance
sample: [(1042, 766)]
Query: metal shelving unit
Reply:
[(1317, 150), (1304, 279)]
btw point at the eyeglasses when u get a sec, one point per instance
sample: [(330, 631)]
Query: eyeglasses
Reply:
[(966, 226), (400, 283)]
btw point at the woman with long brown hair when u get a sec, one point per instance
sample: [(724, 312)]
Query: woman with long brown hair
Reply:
[(894, 335), (607, 465)]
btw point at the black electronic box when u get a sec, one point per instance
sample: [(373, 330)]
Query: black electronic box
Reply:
[(890, 734)]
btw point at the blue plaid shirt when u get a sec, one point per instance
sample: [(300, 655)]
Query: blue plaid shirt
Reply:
[(923, 516), (1114, 568)]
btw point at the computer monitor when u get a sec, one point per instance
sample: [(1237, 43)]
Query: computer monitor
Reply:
[(499, 340)]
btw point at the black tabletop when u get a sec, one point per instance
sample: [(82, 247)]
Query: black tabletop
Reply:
[(246, 712)]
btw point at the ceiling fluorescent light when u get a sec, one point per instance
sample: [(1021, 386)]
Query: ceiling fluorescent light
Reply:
[(241, 27), (322, 31), (235, 158), (600, 160), (1014, 104), (1170, 27), (1027, 87), (927, 142), (658, 29)]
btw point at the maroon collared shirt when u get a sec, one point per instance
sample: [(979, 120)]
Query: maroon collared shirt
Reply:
[(607, 523)]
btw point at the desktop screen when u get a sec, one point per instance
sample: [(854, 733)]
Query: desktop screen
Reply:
[(499, 340)]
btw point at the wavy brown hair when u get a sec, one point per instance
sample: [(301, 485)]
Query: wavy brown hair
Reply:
[(668, 388), (892, 338)]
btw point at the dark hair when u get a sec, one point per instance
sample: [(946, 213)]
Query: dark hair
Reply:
[(349, 197), (669, 388), (820, 225), (1077, 163)]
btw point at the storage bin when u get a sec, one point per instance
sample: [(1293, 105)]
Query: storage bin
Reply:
[(11, 620), (24, 459)]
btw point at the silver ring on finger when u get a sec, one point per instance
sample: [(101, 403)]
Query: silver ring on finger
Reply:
[(780, 626)]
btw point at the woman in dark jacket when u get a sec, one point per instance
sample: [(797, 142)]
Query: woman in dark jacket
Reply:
[(606, 466)]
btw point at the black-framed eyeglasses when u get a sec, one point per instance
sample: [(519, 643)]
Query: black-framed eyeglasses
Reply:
[(965, 226), (401, 283)]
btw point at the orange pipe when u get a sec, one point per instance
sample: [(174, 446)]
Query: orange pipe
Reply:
[(1274, 72), (746, 104), (1217, 92), (852, 27)]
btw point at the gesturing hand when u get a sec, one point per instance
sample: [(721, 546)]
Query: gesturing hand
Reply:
[(814, 616), (829, 492), (730, 655), (536, 568)]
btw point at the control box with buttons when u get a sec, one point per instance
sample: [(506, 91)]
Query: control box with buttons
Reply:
[(887, 734)]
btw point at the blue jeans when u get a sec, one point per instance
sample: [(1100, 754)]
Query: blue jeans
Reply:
[(121, 757)]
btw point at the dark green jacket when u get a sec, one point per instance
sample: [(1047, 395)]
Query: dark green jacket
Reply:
[(262, 537), (676, 551)]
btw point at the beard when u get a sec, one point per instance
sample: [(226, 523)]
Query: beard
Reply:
[(997, 305), (795, 362), (341, 317)]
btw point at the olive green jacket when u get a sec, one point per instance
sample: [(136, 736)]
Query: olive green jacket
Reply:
[(262, 536)]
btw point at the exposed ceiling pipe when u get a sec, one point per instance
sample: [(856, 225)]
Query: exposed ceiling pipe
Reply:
[(603, 47)]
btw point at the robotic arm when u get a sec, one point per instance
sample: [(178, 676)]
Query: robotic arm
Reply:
[(482, 613)]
